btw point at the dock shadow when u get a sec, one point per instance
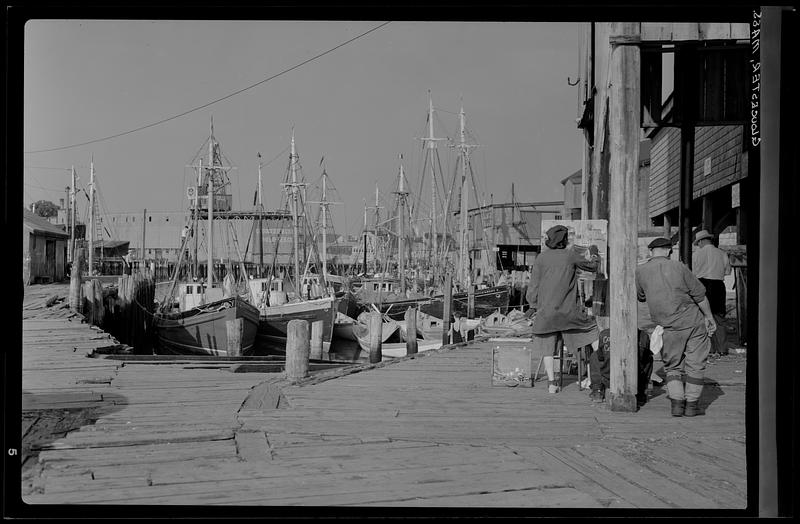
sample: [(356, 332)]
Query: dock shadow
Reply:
[(42, 427), (711, 392)]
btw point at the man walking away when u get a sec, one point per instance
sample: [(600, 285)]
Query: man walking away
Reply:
[(710, 265), (677, 302)]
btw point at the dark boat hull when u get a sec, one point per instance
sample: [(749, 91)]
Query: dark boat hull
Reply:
[(487, 301), (197, 332), (273, 326)]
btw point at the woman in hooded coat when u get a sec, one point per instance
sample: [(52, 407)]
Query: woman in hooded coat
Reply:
[(553, 293)]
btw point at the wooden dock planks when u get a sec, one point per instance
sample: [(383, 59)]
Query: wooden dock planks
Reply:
[(428, 431)]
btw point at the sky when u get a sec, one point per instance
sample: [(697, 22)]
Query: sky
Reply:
[(359, 106)]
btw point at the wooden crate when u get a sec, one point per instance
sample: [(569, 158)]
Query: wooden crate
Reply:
[(512, 365)]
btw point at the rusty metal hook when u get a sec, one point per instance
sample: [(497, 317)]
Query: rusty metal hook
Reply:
[(576, 81)]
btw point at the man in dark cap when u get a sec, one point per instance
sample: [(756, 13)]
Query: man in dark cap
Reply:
[(677, 301), (552, 292)]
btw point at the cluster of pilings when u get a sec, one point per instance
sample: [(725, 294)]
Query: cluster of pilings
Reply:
[(125, 311)]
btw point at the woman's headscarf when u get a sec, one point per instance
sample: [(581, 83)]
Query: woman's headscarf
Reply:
[(557, 237)]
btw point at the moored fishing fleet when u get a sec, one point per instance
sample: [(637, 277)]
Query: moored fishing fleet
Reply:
[(227, 307)]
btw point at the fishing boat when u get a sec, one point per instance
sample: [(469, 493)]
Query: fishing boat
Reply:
[(390, 331), (203, 330), (199, 323), (388, 292), (311, 299)]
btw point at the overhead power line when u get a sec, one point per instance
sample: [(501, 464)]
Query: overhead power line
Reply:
[(213, 101)]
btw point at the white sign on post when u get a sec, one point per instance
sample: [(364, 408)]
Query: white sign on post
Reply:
[(583, 234)]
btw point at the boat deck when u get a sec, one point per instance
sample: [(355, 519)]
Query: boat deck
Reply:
[(428, 431)]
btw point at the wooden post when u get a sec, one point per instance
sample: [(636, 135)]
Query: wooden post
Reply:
[(411, 330), (316, 338), (88, 300), (234, 331), (471, 308), (448, 308), (624, 132), (667, 226), (76, 282), (708, 215), (297, 349), (375, 337), (99, 306)]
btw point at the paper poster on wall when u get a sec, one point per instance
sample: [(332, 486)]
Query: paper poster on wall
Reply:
[(583, 234)]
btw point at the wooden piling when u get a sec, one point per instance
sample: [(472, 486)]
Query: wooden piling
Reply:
[(87, 292), (411, 331), (375, 337), (471, 309), (297, 349), (448, 309), (623, 219), (76, 282), (317, 328), (99, 306), (234, 331)]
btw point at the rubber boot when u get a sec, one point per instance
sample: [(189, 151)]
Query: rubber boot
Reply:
[(678, 407), (692, 409)]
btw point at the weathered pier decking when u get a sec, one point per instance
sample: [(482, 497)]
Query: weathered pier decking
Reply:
[(428, 431)]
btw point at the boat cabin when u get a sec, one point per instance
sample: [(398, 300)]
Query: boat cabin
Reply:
[(194, 294)]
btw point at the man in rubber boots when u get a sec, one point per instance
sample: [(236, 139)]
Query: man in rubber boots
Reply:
[(677, 302)]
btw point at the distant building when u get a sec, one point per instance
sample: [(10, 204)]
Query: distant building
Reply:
[(508, 235), (44, 249), (572, 195)]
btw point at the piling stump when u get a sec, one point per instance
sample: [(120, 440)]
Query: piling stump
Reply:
[(411, 331), (234, 331), (316, 338), (297, 349), (375, 337), (76, 282)]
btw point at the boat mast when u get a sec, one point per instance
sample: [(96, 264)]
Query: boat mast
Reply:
[(211, 208), (294, 197), (402, 195), (196, 216), (324, 203), (91, 215), (365, 236), (260, 225), (431, 147), (463, 259)]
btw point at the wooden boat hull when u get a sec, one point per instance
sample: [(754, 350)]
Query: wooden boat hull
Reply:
[(273, 322), (397, 350), (361, 331), (197, 332), (343, 327), (487, 301)]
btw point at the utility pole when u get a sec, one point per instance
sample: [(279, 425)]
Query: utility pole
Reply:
[(624, 132), (72, 219)]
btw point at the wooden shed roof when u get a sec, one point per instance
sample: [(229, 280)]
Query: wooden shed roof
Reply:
[(37, 224)]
